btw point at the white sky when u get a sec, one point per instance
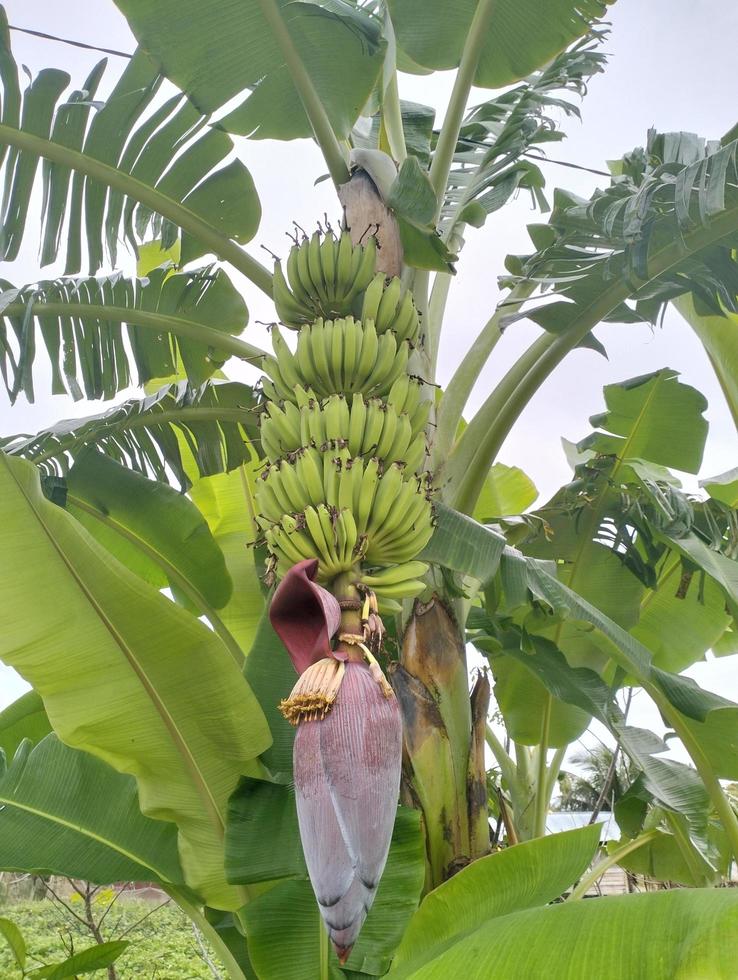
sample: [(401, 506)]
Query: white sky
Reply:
[(672, 65)]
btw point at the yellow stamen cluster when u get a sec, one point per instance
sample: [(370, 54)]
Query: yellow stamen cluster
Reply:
[(315, 692)]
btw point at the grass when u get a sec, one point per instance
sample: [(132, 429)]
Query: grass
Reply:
[(164, 947)]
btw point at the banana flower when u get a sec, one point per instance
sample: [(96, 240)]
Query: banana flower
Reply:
[(347, 752)]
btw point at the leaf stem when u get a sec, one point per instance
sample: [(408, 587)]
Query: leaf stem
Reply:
[(181, 416), (502, 758), (324, 952), (467, 374), (685, 846), (149, 320), (601, 867), (449, 135), (178, 213), (702, 764), (197, 916), (314, 109), (553, 771), (541, 812), (477, 448), (434, 320), (392, 119)]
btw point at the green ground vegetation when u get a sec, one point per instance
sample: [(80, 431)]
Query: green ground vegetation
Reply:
[(163, 946)]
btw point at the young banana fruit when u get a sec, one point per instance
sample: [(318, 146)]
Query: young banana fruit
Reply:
[(323, 279), (343, 428)]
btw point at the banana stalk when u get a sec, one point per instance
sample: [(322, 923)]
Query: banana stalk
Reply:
[(344, 506)]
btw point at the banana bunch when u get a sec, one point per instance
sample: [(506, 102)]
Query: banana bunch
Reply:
[(317, 532), (372, 427), (325, 278), (343, 427), (364, 513), (391, 308), (387, 508), (335, 356)]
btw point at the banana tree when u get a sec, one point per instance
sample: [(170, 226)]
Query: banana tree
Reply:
[(341, 520)]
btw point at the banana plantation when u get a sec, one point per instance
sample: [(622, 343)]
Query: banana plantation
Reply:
[(300, 652)]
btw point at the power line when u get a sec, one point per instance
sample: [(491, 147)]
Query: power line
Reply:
[(566, 163), (67, 40)]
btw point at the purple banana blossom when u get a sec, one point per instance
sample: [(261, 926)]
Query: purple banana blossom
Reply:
[(347, 753), (347, 780)]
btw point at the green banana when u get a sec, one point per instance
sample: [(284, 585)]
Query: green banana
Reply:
[(357, 423), (344, 256), (309, 471), (368, 489), (401, 443), (386, 496), (406, 324), (289, 310), (310, 268), (389, 428), (374, 424), (302, 295), (365, 269), (372, 298), (285, 359), (394, 574), (351, 348), (388, 305), (328, 265), (367, 356)]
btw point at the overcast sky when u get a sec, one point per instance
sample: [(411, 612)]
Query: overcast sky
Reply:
[(672, 65)]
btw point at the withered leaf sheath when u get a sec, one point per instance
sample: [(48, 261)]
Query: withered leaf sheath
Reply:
[(347, 780)]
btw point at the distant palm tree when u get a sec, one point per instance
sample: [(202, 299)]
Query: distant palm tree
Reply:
[(583, 790)]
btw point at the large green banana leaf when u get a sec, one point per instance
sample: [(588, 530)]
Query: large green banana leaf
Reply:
[(63, 812), (655, 419), (126, 674), (215, 51), (122, 179), (674, 935), (522, 34), (654, 233), (524, 703), (507, 490), (24, 718), (226, 501), (698, 716), (521, 877), (719, 337), (149, 527), (167, 318)]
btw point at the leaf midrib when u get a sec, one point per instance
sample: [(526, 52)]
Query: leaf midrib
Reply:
[(163, 322), (174, 210), (148, 420), (84, 832)]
